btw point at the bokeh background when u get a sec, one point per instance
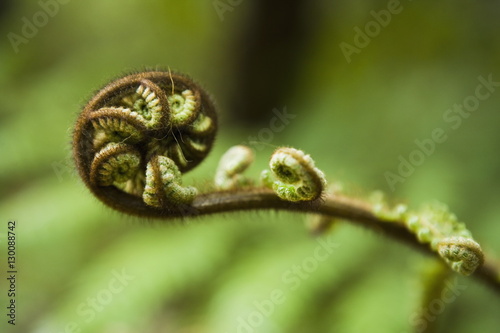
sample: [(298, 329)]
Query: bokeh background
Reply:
[(355, 115)]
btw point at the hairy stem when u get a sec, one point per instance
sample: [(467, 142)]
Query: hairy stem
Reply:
[(338, 206)]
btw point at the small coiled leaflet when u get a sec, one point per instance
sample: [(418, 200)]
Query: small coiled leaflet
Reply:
[(293, 176), (464, 255), (231, 166)]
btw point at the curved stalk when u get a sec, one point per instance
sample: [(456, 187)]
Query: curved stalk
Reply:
[(337, 206)]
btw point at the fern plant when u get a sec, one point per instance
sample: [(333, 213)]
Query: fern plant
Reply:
[(138, 135)]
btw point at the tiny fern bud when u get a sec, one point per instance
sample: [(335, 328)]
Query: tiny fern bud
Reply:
[(183, 107), (464, 255), (436, 226), (138, 134), (231, 166), (114, 164), (293, 176), (164, 184)]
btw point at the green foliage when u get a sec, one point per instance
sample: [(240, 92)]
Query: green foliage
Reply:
[(202, 276)]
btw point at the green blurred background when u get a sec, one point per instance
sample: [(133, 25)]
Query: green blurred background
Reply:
[(218, 274)]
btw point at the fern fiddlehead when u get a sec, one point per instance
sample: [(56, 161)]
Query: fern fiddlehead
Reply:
[(137, 136)]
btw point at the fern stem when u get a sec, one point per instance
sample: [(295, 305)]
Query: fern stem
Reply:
[(336, 206)]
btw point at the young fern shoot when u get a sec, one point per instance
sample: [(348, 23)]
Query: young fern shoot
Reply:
[(138, 135)]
